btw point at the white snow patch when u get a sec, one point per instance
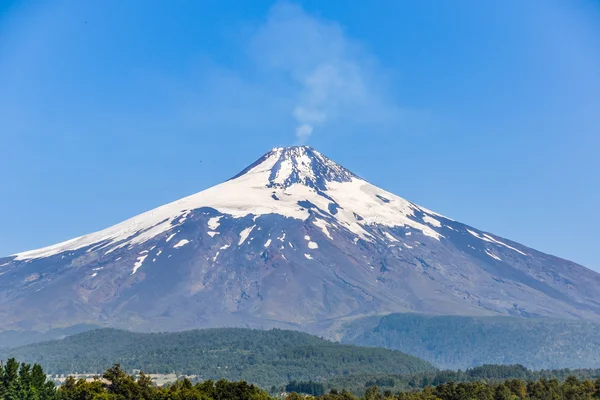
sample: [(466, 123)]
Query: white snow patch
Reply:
[(215, 257), (306, 237), (115, 248), (171, 237), (183, 217), (138, 263), (323, 225), (291, 245), (432, 221), (390, 237), (268, 243), (313, 245), (212, 234), (284, 172), (97, 269), (304, 165), (159, 253), (493, 255), (282, 238), (407, 246), (308, 256), (181, 243), (225, 246), (432, 233), (359, 197), (488, 238), (244, 234), (94, 274), (214, 223)]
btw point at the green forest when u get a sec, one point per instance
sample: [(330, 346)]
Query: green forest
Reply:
[(243, 363), (25, 382), (357, 384), (266, 358), (455, 342)]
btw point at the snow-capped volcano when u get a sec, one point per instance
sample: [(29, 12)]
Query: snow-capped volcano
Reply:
[(294, 240), (285, 181), (299, 165)]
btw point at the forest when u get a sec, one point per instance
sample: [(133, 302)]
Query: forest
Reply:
[(453, 342), (265, 358), (491, 374), (21, 381)]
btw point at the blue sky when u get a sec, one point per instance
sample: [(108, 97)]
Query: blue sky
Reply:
[(487, 112)]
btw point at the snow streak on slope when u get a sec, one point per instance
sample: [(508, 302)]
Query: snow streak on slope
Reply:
[(284, 181)]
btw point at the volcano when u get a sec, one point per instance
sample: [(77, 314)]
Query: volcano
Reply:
[(293, 241)]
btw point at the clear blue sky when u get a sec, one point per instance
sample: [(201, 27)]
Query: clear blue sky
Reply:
[(488, 112)]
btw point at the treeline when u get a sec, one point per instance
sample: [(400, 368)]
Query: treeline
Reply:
[(487, 373), (24, 382), (497, 373), (311, 388), (571, 389), (117, 385)]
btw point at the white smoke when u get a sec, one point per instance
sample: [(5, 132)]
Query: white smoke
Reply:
[(332, 78), (304, 131)]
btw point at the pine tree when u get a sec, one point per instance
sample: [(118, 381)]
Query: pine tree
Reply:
[(11, 380), (25, 385), (42, 388), (2, 381)]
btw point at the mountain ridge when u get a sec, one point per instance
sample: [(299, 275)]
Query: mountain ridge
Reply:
[(293, 241)]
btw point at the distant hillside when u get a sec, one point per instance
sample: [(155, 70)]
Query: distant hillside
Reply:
[(462, 342), (21, 338), (266, 358)]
